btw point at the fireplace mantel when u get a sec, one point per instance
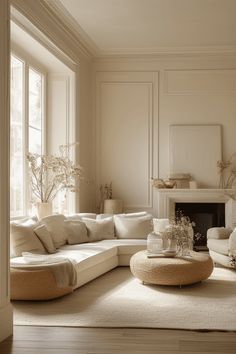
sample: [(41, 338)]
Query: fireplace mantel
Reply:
[(168, 197)]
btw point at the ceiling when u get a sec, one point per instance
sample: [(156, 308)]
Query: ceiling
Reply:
[(152, 26)]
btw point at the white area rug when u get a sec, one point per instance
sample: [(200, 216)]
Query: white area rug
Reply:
[(117, 299)]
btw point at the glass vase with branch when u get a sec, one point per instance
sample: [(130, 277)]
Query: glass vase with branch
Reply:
[(50, 174)]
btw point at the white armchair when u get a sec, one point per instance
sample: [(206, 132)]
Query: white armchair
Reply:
[(221, 242)]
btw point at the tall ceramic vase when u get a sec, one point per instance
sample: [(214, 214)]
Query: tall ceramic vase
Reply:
[(113, 206), (43, 209)]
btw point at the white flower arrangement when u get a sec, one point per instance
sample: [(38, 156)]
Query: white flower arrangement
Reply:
[(50, 174)]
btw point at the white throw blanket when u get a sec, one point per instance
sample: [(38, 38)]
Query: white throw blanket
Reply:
[(62, 268)]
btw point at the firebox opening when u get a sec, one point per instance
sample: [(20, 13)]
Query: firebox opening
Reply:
[(205, 216)]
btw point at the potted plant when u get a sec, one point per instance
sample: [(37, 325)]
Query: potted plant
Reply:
[(108, 204)]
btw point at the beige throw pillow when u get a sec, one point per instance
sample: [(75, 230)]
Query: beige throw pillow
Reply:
[(55, 225), (100, 229), (23, 239), (45, 237), (76, 232), (133, 227)]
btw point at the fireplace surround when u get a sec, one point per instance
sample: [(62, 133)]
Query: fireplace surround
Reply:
[(224, 200)]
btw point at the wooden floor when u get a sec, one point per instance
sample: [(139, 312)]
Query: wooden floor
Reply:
[(64, 340)]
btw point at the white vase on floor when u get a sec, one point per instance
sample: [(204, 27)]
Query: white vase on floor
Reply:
[(113, 206), (43, 209)]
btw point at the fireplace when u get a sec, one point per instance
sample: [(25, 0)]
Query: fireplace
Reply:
[(205, 216), (223, 201)]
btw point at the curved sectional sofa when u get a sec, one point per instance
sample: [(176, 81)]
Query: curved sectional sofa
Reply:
[(35, 276)]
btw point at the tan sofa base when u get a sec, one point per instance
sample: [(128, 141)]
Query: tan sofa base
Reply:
[(35, 285)]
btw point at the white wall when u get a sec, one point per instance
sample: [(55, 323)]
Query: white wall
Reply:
[(5, 306), (186, 90)]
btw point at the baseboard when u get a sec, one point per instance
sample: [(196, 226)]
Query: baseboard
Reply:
[(6, 323)]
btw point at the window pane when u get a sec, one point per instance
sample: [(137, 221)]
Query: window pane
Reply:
[(35, 99), (16, 138), (35, 138)]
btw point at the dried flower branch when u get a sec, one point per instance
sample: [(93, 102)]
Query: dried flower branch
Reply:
[(50, 174), (227, 171), (106, 191), (180, 231)]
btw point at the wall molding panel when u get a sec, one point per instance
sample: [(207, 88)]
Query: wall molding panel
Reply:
[(126, 135), (203, 82)]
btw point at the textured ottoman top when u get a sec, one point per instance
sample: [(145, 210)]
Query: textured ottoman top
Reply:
[(171, 271)]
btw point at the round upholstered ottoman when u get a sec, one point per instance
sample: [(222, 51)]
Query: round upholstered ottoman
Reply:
[(171, 271)]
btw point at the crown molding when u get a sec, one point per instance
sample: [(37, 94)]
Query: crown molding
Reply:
[(58, 8), (155, 57), (166, 51), (49, 22)]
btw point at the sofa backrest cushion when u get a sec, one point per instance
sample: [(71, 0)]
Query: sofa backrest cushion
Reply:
[(46, 238), (100, 229), (138, 226), (103, 216), (23, 239), (134, 215), (76, 231), (55, 225), (80, 216)]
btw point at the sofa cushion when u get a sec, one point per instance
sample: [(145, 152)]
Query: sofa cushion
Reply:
[(55, 224), (129, 227), (46, 238), (76, 231), (219, 246), (100, 229), (86, 255), (23, 239)]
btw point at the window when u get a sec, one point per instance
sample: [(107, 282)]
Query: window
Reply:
[(27, 118)]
